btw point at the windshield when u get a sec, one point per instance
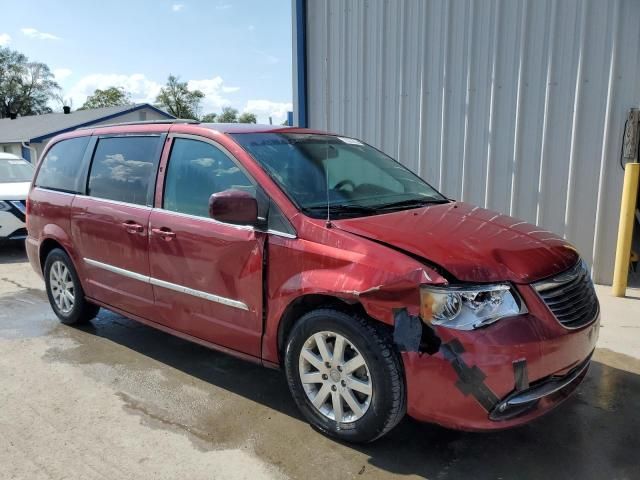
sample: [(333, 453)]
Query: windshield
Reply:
[(12, 171), (355, 178)]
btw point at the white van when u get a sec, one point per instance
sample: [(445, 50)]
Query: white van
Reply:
[(15, 178)]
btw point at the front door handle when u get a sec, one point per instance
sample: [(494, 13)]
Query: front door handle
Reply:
[(132, 227), (164, 233)]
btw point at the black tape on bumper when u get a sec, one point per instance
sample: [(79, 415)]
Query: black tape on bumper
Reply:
[(410, 334), (520, 375), (471, 379)]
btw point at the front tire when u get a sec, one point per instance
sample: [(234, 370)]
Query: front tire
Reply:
[(345, 375), (64, 290)]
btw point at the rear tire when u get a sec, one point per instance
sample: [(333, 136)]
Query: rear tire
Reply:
[(64, 290), (361, 404)]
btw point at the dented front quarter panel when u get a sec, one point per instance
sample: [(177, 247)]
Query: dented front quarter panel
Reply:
[(340, 265), (454, 378)]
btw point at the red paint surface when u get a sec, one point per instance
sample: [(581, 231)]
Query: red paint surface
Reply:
[(234, 206), (214, 258), (472, 243), (116, 234), (377, 262)]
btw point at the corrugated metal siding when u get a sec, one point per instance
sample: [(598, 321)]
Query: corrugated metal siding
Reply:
[(516, 105)]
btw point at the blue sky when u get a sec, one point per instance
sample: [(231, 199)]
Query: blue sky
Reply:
[(238, 52)]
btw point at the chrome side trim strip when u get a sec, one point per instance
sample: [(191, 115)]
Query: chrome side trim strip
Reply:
[(200, 294), (205, 219), (282, 234), (116, 202), (118, 270), (168, 285), (50, 190)]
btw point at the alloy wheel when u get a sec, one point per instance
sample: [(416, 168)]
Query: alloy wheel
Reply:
[(335, 377), (62, 287)]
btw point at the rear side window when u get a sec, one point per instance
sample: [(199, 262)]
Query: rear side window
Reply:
[(124, 169), (61, 167), (196, 170)]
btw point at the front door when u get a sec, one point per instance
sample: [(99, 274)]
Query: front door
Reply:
[(206, 275), (109, 224)]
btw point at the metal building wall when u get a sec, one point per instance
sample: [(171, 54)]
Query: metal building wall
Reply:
[(516, 105)]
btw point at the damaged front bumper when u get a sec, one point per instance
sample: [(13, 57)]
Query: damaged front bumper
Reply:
[(522, 401), (493, 378)]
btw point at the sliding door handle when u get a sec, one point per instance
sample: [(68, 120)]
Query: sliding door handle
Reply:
[(132, 227), (164, 233)]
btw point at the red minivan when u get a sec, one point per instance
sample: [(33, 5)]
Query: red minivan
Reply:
[(319, 254)]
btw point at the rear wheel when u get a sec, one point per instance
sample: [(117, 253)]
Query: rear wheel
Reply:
[(345, 375), (65, 291)]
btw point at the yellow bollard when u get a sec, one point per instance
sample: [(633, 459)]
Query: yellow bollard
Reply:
[(625, 228)]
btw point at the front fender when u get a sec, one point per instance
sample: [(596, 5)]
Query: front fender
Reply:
[(374, 276)]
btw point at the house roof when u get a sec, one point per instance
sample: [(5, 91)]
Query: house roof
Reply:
[(35, 128)]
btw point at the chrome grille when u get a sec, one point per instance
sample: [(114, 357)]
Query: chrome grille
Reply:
[(570, 296)]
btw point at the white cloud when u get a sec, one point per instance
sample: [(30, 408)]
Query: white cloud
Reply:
[(267, 108), (5, 39), (213, 88), (176, 7), (61, 73), (251, 28), (224, 6), (145, 90), (33, 33), (141, 88)]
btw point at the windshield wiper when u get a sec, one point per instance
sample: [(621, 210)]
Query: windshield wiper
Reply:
[(414, 202), (340, 209)]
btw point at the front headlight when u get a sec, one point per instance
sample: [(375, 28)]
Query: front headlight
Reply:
[(466, 308), (4, 206)]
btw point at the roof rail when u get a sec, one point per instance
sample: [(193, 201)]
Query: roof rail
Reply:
[(143, 122)]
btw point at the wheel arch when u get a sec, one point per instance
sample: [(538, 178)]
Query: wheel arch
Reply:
[(306, 303), (47, 245)]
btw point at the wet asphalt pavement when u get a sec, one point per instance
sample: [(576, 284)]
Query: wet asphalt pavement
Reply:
[(129, 401)]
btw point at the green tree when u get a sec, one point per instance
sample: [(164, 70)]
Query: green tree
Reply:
[(25, 87), (209, 118), (228, 115), (247, 117), (109, 97), (179, 101)]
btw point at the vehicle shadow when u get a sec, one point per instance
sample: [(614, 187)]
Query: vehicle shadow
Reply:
[(12, 251), (593, 435)]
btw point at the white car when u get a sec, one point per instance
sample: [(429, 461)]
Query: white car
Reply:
[(15, 178)]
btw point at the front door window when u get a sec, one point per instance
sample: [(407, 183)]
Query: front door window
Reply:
[(197, 170)]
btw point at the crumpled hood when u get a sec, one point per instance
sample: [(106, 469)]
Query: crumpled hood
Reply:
[(471, 243)]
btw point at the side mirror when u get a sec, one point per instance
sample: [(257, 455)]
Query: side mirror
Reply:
[(234, 206)]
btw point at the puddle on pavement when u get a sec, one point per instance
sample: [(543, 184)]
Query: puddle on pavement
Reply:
[(221, 402), (22, 315)]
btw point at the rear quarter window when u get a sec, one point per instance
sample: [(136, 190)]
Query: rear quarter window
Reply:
[(124, 169), (61, 167)]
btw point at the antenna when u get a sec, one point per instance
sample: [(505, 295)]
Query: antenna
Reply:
[(326, 174), (326, 169)]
